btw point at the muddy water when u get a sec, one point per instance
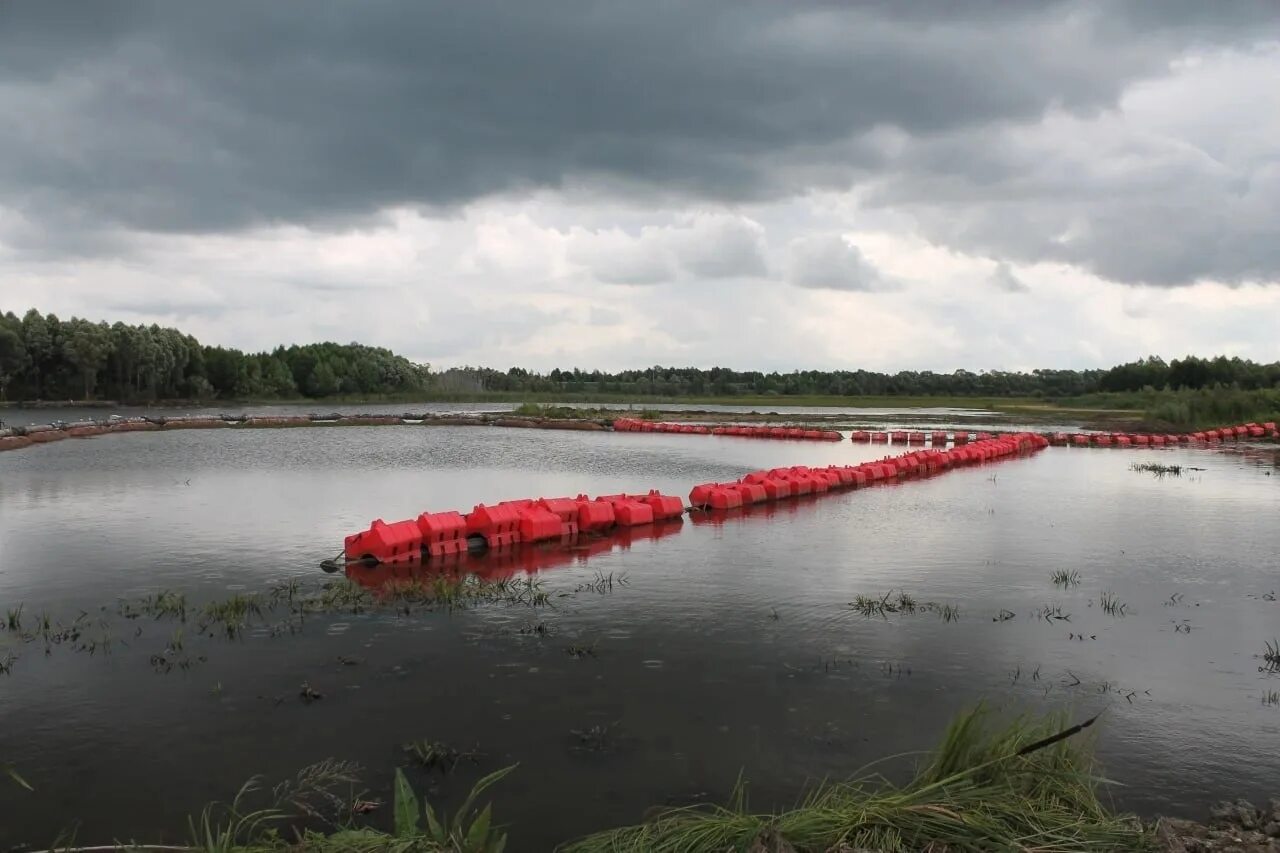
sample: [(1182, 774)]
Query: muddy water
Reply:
[(731, 646)]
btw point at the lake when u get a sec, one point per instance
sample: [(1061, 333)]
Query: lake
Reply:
[(724, 645)]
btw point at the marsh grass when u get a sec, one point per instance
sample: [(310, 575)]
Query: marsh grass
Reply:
[(231, 614), (902, 602), (1065, 578), (1157, 469), (1016, 787), (1271, 657), (437, 755), (1111, 605)]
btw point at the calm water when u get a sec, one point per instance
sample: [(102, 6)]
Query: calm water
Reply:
[(731, 648), (70, 414)]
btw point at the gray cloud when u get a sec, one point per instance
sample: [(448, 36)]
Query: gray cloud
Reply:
[(152, 115), (829, 262), (1004, 279), (195, 116)]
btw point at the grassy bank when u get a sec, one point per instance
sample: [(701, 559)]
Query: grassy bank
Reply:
[(1026, 784), (1188, 410)]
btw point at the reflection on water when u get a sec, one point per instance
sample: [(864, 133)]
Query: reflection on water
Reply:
[(730, 648), (508, 563), (26, 417)]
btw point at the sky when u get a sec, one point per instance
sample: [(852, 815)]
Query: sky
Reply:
[(888, 185)]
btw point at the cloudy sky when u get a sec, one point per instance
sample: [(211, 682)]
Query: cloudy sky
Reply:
[(771, 185)]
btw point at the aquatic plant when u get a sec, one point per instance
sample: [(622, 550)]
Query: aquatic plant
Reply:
[(600, 737), (437, 755), (1111, 605), (231, 613), (601, 583), (10, 771), (13, 620), (581, 652), (1052, 613), (1271, 657), (1022, 786), (903, 602), (467, 831), (1065, 578), (7, 662), (1157, 469)]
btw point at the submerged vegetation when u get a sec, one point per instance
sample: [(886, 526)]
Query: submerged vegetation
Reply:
[(1271, 657), (1157, 469), (282, 609), (902, 602), (1111, 605), (1017, 787)]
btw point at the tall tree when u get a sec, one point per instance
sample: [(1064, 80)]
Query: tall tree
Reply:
[(13, 355), (87, 346)]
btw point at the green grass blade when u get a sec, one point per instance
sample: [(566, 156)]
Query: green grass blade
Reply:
[(406, 807)]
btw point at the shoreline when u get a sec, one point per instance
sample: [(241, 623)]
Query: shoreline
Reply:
[(594, 420)]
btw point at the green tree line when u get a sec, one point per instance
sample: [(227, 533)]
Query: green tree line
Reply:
[(42, 357)]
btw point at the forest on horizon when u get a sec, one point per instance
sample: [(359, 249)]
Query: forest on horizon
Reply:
[(45, 358)]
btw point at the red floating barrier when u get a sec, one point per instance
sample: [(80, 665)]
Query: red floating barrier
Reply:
[(879, 437), (443, 533), (663, 506), (386, 543), (752, 493), (860, 435), (499, 525), (539, 524), (565, 509), (594, 516), (629, 512), (960, 437)]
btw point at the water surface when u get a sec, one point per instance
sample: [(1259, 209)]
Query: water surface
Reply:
[(730, 648)]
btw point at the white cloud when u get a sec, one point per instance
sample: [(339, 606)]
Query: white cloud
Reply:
[(694, 246), (830, 262)]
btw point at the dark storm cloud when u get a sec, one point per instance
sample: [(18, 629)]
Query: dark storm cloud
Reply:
[(184, 115), (214, 116)]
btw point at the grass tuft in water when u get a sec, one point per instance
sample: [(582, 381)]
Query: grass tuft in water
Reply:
[(1017, 787), (1111, 605), (437, 755), (232, 614), (1064, 578), (1271, 657), (1157, 469)]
